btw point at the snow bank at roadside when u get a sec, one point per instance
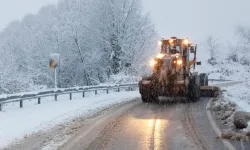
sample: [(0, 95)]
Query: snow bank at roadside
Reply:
[(240, 94), (235, 98), (17, 123), (229, 70)]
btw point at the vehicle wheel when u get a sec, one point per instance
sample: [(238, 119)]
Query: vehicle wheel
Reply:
[(194, 89), (154, 98), (144, 99), (145, 94), (203, 79)]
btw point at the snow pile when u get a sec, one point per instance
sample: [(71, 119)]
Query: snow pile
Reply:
[(17, 123), (224, 111), (241, 119), (233, 135)]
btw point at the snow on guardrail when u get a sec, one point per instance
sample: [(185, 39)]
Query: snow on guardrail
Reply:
[(56, 92), (62, 91)]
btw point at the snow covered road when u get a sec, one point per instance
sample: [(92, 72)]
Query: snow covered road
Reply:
[(137, 125), (19, 123), (67, 122), (134, 125)]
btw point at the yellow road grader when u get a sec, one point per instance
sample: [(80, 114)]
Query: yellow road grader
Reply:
[(174, 73)]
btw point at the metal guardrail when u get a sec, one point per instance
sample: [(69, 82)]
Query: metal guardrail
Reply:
[(70, 91)]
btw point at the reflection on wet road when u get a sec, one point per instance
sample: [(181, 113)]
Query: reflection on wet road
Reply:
[(150, 127)]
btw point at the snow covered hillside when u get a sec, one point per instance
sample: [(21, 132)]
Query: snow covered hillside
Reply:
[(230, 64)]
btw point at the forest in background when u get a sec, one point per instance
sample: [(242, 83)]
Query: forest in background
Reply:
[(97, 41)]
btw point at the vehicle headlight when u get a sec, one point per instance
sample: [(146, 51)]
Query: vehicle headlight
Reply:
[(186, 42), (179, 62), (160, 56), (160, 43), (153, 62), (171, 41)]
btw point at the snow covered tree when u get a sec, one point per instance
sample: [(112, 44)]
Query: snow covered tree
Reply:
[(243, 45), (126, 33), (212, 46), (94, 38)]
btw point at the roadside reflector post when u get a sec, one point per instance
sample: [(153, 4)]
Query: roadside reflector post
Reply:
[(118, 90), (107, 91), (39, 100), (21, 104), (83, 94), (0, 107), (70, 96), (95, 92)]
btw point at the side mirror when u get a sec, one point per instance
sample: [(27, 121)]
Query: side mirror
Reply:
[(192, 49), (198, 63)]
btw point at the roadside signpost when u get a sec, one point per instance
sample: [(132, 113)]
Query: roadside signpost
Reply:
[(54, 62)]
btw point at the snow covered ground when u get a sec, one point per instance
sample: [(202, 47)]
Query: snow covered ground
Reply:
[(240, 94), (17, 123)]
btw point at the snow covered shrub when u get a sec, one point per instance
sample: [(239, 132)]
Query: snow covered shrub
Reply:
[(15, 86), (43, 79), (122, 78), (233, 57), (212, 61), (245, 61), (212, 46)]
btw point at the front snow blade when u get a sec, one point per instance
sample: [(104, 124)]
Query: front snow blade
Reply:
[(209, 91)]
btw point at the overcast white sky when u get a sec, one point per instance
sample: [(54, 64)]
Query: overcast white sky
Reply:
[(185, 18), (16, 9)]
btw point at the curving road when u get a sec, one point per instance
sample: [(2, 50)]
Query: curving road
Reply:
[(136, 125)]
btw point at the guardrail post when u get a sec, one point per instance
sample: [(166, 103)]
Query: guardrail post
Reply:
[(107, 91), (39, 100), (70, 96), (56, 97), (21, 104), (129, 89), (83, 94), (95, 92)]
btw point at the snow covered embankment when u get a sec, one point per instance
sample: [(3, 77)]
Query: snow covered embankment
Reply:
[(17, 123), (235, 97)]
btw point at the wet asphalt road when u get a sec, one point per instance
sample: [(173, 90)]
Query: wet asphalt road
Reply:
[(140, 126)]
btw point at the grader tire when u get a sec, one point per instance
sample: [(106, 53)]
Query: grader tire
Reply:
[(145, 98), (149, 95), (194, 89)]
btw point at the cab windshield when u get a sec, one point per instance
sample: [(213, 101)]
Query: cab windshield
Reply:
[(171, 49)]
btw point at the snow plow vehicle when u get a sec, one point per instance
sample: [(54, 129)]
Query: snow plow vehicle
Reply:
[(174, 74)]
